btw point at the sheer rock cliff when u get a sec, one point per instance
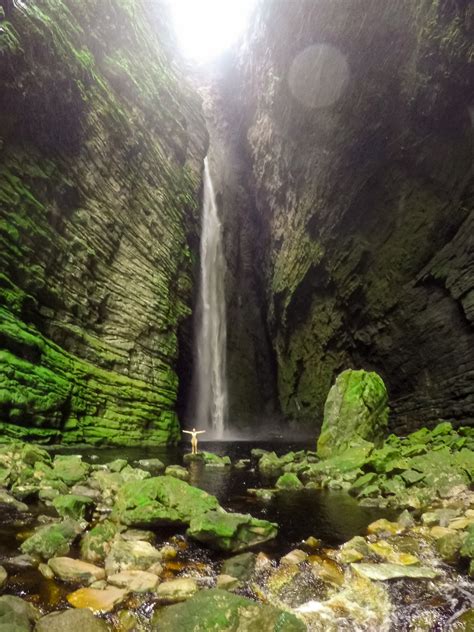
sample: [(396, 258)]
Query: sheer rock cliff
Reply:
[(355, 122), (101, 146)]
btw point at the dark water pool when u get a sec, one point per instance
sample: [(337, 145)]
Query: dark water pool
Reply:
[(332, 516)]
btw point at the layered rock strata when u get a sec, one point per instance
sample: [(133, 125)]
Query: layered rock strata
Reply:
[(100, 159), (356, 122)]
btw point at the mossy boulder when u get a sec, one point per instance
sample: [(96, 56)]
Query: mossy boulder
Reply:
[(177, 471), (131, 555), (288, 481), (70, 469), (271, 465), (72, 506), (16, 615), (95, 544), (208, 459), (467, 549), (356, 410), (240, 566), (72, 619), (52, 540), (449, 546), (163, 500), (220, 611), (230, 531), (154, 466)]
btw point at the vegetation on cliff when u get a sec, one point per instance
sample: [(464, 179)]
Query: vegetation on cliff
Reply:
[(101, 148)]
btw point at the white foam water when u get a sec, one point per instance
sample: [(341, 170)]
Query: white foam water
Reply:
[(210, 366)]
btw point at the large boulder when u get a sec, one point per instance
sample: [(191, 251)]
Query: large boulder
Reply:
[(72, 506), (70, 469), (68, 620), (356, 411), (52, 540), (230, 531), (134, 555), (96, 543), (220, 611), (75, 571), (163, 500), (16, 615)]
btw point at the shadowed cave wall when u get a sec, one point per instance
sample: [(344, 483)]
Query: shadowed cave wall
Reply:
[(364, 206)]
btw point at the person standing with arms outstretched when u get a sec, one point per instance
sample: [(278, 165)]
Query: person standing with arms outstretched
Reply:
[(194, 440)]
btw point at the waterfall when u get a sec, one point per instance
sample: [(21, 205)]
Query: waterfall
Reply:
[(210, 368)]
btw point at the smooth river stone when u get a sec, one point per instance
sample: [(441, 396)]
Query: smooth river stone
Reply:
[(3, 576), (176, 590), (135, 581), (383, 572), (97, 600), (70, 570)]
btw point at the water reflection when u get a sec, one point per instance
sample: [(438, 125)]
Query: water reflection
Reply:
[(332, 516)]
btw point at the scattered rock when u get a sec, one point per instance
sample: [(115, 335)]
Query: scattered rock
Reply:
[(227, 582), (264, 495), (449, 547), (131, 555), (162, 500), (384, 526), (177, 471), (294, 557), (117, 465), (230, 531), (382, 572), (9, 502), (46, 571), (154, 466), (240, 566), (95, 544), (208, 459), (288, 481), (52, 540), (3, 576), (242, 464), (75, 571), (138, 534), (134, 581), (70, 469), (81, 620), (134, 474), (99, 601), (16, 615), (72, 506), (176, 590)]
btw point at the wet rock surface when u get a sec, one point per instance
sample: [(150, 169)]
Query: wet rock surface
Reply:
[(169, 575)]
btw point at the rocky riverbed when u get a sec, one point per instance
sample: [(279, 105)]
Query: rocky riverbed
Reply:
[(131, 545)]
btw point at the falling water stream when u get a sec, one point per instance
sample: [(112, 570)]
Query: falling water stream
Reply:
[(210, 371)]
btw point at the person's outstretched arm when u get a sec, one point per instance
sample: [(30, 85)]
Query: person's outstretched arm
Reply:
[(200, 431), (188, 431)]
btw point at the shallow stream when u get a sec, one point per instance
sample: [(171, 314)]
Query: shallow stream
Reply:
[(331, 516)]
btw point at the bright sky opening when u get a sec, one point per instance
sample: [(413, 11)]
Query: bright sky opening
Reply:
[(207, 28)]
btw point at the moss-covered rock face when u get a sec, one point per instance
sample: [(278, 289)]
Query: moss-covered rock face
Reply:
[(363, 204), (356, 411), (101, 144), (213, 610)]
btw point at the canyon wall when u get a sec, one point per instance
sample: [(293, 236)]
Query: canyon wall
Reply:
[(354, 120), (101, 147)]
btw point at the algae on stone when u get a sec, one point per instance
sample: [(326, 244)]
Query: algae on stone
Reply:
[(356, 411)]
